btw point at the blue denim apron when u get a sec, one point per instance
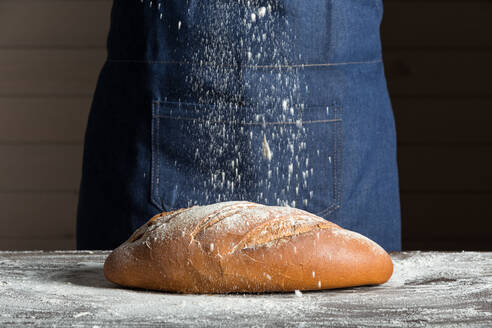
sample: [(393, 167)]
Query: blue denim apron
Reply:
[(280, 102)]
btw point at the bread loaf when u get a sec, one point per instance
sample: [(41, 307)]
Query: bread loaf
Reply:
[(241, 246)]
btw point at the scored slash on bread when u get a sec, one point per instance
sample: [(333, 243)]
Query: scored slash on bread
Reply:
[(240, 246), (219, 215)]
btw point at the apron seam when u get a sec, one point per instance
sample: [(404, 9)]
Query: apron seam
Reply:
[(197, 104), (155, 170), (245, 123), (336, 178), (165, 62)]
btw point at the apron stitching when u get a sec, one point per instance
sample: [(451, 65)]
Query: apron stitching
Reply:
[(337, 163), (244, 66), (153, 156), (195, 105), (331, 208), (336, 184), (335, 178), (158, 157), (245, 123), (152, 184), (340, 159), (155, 170)]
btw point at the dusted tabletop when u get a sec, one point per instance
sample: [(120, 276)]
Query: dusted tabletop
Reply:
[(68, 288)]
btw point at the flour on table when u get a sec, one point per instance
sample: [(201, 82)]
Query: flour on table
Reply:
[(427, 289)]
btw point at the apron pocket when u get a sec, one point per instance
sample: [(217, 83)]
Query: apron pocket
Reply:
[(203, 154)]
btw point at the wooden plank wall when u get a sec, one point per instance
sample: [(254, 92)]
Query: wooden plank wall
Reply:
[(436, 53), (51, 52), (437, 56)]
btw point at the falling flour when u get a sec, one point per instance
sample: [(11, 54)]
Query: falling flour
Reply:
[(270, 152), (267, 153)]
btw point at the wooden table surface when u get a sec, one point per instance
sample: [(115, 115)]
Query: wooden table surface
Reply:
[(57, 289)]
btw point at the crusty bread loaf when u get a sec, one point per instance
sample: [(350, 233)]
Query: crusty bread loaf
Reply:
[(240, 246)]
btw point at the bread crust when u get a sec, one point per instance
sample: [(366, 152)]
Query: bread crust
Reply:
[(242, 246)]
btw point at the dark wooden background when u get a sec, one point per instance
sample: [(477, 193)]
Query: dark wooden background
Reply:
[(437, 55), (438, 65)]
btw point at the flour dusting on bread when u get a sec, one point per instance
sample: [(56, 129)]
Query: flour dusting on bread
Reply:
[(260, 225)]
